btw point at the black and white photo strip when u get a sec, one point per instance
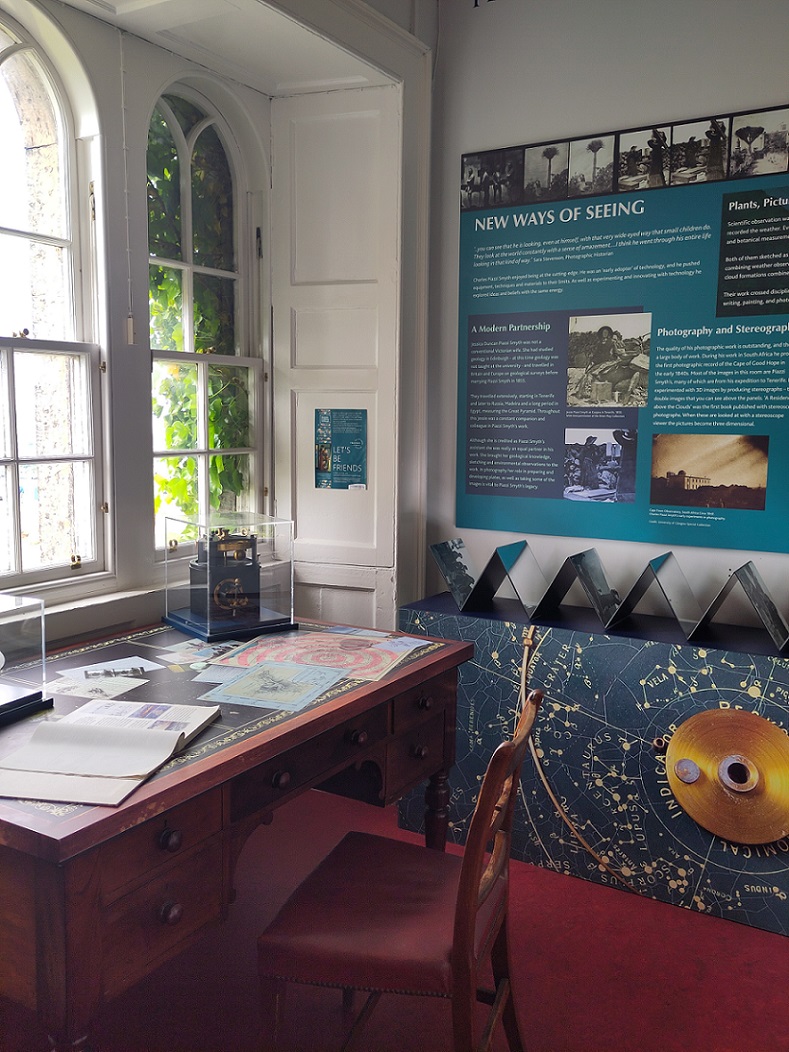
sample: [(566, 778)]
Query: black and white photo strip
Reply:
[(720, 146)]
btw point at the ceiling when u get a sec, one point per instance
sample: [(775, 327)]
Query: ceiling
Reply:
[(242, 39)]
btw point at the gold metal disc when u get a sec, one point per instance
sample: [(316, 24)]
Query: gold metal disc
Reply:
[(729, 770)]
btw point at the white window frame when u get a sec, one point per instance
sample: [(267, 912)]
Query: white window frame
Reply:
[(12, 464), (109, 106), (79, 246), (245, 273)]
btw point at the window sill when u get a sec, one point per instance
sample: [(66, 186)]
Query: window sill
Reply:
[(109, 614)]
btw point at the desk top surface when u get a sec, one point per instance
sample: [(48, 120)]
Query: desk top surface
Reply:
[(243, 734)]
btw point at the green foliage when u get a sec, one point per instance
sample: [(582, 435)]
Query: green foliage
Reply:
[(214, 311), (212, 203), (175, 484), (175, 403), (165, 308), (164, 191)]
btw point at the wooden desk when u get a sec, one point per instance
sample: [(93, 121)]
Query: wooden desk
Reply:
[(92, 899)]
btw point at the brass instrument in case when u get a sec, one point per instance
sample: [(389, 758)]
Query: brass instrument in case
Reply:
[(229, 576), (224, 577)]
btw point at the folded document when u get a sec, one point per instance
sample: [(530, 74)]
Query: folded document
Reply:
[(101, 752)]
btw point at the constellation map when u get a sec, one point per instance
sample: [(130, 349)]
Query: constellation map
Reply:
[(595, 798)]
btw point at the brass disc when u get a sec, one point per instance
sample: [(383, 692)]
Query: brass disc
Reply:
[(729, 770)]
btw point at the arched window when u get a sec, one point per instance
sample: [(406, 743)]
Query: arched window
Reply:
[(50, 474), (204, 404)]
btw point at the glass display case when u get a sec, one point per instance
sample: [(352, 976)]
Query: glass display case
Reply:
[(229, 576), (21, 646)]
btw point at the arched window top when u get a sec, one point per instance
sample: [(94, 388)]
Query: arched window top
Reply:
[(37, 246), (33, 173), (186, 156), (164, 189), (186, 113), (191, 230)]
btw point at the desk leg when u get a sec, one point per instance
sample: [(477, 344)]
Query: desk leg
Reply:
[(437, 810), (68, 950)]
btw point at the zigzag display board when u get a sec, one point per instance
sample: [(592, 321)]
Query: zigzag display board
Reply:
[(596, 800), (476, 593)]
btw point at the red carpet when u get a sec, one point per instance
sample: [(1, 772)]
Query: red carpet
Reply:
[(598, 970)]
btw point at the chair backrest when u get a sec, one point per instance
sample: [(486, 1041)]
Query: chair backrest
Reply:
[(485, 867)]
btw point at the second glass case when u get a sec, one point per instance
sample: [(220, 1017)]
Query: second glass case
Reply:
[(229, 576)]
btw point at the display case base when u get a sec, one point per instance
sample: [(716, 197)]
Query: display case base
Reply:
[(231, 628)]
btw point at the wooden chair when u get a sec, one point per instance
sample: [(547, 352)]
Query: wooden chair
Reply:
[(386, 916)]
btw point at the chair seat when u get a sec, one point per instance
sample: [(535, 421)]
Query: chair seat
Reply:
[(387, 916), (376, 914)]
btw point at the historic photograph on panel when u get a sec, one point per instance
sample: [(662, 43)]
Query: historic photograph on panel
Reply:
[(591, 166), (545, 172), (608, 360), (491, 180), (600, 464), (453, 562), (700, 151), (763, 603), (759, 143), (644, 159), (709, 471)]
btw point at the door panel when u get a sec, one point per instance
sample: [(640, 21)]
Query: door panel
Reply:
[(335, 293)]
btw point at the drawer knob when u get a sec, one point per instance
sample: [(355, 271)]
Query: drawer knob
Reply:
[(171, 912), (171, 839), (425, 702), (358, 737), (419, 752), (281, 780)]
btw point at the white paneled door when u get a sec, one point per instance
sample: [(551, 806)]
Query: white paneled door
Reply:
[(335, 252)]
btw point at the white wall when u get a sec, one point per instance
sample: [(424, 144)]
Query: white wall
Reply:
[(511, 72), (418, 17)]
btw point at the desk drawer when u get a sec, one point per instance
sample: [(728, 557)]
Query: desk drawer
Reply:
[(138, 853), (147, 926), (421, 703), (415, 755), (307, 764)]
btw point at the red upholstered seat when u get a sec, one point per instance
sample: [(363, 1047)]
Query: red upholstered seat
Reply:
[(387, 916)]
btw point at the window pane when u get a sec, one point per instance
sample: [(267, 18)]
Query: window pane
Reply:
[(174, 406), (6, 39), (6, 522), (52, 393), (228, 407), (212, 203), (174, 491), (35, 291), (165, 304), (32, 189), (186, 113), (164, 191), (214, 315), (56, 512), (229, 482), (5, 406)]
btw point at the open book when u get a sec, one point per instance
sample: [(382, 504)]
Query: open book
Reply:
[(101, 752)]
